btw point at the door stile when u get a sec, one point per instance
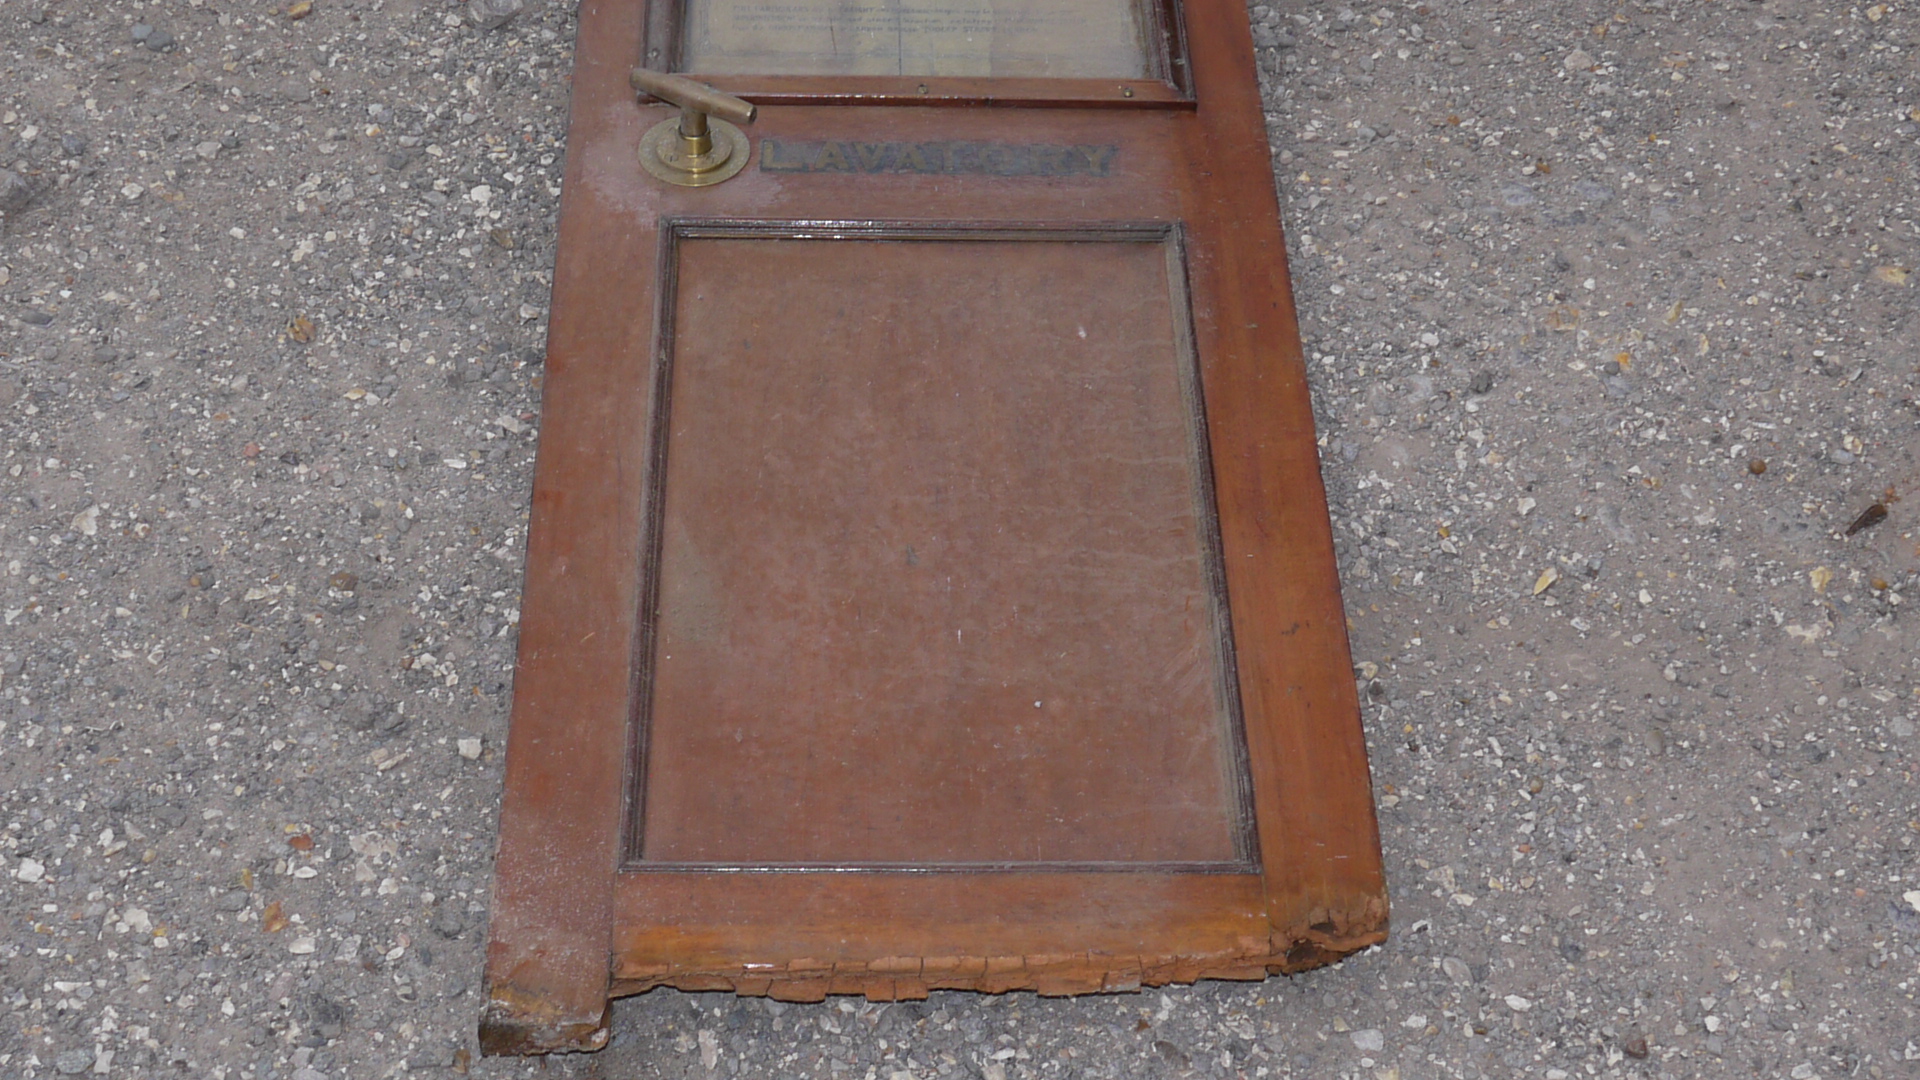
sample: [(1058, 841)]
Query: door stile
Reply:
[(1318, 832), (559, 849)]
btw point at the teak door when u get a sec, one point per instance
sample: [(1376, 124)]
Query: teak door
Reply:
[(930, 582)]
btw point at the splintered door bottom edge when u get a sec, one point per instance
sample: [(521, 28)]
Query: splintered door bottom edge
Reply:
[(1075, 934), (1047, 975)]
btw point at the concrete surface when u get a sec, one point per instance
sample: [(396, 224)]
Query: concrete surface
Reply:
[(1613, 330)]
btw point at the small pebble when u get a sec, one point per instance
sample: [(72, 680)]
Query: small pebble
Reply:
[(448, 922), (16, 192), (493, 14)]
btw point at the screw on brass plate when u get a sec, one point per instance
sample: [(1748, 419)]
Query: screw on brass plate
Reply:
[(701, 147)]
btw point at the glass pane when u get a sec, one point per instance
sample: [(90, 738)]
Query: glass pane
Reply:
[(922, 38), (936, 578)]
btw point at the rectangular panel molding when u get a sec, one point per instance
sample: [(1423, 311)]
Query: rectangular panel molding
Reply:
[(935, 584)]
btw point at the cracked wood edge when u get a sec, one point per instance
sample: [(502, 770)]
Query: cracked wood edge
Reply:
[(911, 978), (515, 1022)]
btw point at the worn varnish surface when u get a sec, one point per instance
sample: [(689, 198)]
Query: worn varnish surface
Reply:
[(795, 813)]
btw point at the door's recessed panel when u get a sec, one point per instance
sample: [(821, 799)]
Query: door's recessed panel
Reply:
[(935, 574), (920, 38)]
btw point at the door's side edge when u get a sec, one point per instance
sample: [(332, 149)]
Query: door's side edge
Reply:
[(556, 862), (1326, 889)]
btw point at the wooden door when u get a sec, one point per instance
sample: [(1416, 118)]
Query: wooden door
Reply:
[(930, 582)]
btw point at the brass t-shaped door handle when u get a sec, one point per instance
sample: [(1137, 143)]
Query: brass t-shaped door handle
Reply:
[(701, 147)]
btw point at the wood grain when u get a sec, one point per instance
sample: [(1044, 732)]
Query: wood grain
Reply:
[(570, 927)]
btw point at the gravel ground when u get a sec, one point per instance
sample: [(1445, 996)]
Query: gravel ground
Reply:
[(1610, 313)]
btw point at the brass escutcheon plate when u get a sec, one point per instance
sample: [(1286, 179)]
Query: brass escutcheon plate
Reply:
[(660, 154)]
